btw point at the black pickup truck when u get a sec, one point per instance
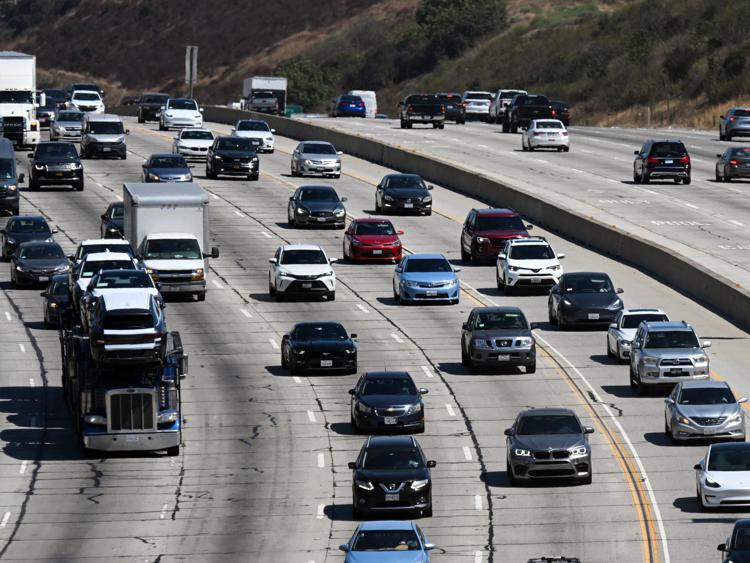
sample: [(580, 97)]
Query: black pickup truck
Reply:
[(422, 108), (149, 106), (523, 109)]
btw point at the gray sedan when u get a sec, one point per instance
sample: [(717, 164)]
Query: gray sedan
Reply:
[(316, 157), (704, 409), (166, 168), (67, 126)]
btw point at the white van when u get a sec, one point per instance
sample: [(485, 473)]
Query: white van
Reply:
[(370, 100)]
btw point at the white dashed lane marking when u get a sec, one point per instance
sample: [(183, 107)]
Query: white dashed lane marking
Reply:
[(321, 512), (22, 347), (4, 521), (163, 511), (8, 317), (362, 308), (311, 416), (450, 410), (22, 469), (467, 453), (428, 372), (321, 460), (217, 284), (273, 344), (397, 338), (265, 234), (246, 313), (478, 502)]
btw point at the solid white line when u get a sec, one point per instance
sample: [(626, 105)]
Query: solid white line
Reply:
[(32, 383), (246, 313), (214, 196), (311, 416), (163, 511), (265, 234), (273, 344), (22, 470), (731, 221), (239, 214), (577, 170), (478, 502), (7, 316), (467, 453), (626, 438), (397, 338), (427, 371), (691, 205), (450, 410), (119, 197), (321, 512), (297, 379), (321, 460), (362, 308), (477, 557), (217, 284), (613, 180), (5, 519), (22, 347)]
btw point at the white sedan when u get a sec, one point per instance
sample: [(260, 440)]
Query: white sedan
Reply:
[(193, 143), (301, 270), (621, 332), (256, 129), (545, 134), (180, 112), (722, 478)]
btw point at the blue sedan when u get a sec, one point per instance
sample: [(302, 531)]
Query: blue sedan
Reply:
[(426, 277), (387, 541)]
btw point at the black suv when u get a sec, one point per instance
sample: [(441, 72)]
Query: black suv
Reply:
[(455, 108), (498, 337), (54, 163), (237, 156), (387, 400), (149, 106), (406, 193), (319, 346), (661, 160), (391, 474)]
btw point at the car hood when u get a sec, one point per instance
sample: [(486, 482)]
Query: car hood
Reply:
[(28, 237), (709, 411), (375, 239), (173, 264), (407, 192), (306, 269), (590, 299), (500, 333), (384, 401), (196, 142), (429, 276), (501, 234), (42, 263), (169, 171), (109, 138), (183, 112), (738, 556), (535, 265), (731, 479), (321, 205), (234, 154), (390, 556), (672, 352), (55, 160), (547, 441), (325, 345)]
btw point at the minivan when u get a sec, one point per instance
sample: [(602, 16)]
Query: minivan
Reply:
[(103, 135), (9, 179)]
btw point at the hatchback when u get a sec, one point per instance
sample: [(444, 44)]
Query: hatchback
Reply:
[(370, 238), (348, 106), (733, 163)]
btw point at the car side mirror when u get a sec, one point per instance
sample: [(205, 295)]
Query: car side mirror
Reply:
[(191, 165), (721, 117), (429, 546), (636, 152), (502, 256), (742, 400), (285, 337), (344, 547), (103, 216), (162, 108), (612, 325), (697, 467), (352, 391), (272, 260), (273, 130), (707, 343), (70, 257), (721, 547), (352, 465), (339, 153), (344, 199), (620, 290), (214, 252), (669, 401), (44, 294), (127, 131), (90, 287), (291, 198), (430, 187), (588, 430), (464, 326), (353, 335), (561, 256), (333, 260), (398, 269), (432, 463), (200, 110), (399, 232), (529, 227), (718, 156), (508, 432), (30, 155), (54, 231), (423, 391), (456, 269), (21, 178), (234, 130)]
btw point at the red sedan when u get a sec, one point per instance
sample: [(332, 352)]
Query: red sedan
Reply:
[(372, 239)]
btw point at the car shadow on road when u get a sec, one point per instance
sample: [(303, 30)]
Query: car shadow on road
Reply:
[(286, 225), (35, 325), (620, 391), (604, 359), (344, 429), (344, 513), (262, 297), (660, 439), (690, 505), (278, 371), (390, 301), (496, 479)]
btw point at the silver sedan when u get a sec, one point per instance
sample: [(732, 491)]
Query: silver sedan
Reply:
[(704, 409), (316, 157)]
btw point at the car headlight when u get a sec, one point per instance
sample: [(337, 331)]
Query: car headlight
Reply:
[(329, 273), (168, 416), (513, 268), (520, 452), (12, 187), (555, 267), (481, 343), (736, 418), (39, 167), (50, 239), (301, 210), (483, 240), (363, 408), (349, 351), (364, 485), (624, 343), (387, 198), (566, 302), (711, 483), (410, 283), (153, 176), (578, 451), (255, 159), (308, 162), (284, 274), (339, 213), (298, 352), (10, 240), (217, 157), (63, 268), (22, 269), (427, 199), (414, 409), (616, 304), (524, 342), (355, 242), (419, 484), (77, 166), (702, 359), (451, 283), (650, 362), (95, 419), (53, 305)]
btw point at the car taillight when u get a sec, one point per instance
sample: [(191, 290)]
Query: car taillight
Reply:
[(409, 108), (731, 119), (442, 109), (685, 160), (652, 160), (462, 104), (733, 162), (554, 113)]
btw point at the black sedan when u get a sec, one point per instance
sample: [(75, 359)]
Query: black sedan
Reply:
[(56, 299), (387, 400), (55, 163), (391, 474), (406, 193), (166, 167), (737, 547), (37, 262), (583, 298), (733, 163), (316, 205), (24, 228), (319, 346), (562, 111), (235, 156), (113, 221)]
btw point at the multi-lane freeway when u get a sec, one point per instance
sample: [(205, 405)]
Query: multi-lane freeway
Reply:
[(263, 471)]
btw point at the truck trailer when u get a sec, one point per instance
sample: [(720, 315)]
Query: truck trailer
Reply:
[(19, 99)]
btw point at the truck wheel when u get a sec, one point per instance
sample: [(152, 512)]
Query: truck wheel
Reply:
[(409, 124), (161, 127), (33, 186), (201, 296), (435, 125), (140, 119), (332, 296), (124, 156), (88, 453), (252, 177), (403, 124), (514, 128), (173, 451)]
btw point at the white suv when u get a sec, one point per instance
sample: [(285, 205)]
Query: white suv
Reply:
[(301, 269), (528, 262)]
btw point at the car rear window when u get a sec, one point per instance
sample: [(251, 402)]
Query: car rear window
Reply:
[(533, 101), (453, 98), (668, 149), (549, 125), (128, 322), (741, 152), (634, 321), (741, 113), (478, 96), (422, 100)]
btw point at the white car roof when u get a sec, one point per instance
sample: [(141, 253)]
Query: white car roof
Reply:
[(107, 241), (641, 310), (153, 236), (101, 256), (286, 247), (201, 129), (528, 240), (134, 299)]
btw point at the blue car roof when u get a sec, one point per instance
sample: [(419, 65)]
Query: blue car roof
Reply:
[(418, 256), (387, 525)]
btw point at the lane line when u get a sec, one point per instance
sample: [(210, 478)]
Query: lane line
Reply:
[(321, 460), (213, 195), (238, 213), (22, 469), (477, 557), (321, 512), (274, 345), (362, 308), (265, 234), (450, 410), (246, 313), (478, 502), (734, 222), (163, 511), (22, 347), (691, 205), (217, 284), (311, 416), (7, 316), (32, 383), (297, 379), (650, 191), (397, 338), (5, 519), (428, 372), (467, 453)]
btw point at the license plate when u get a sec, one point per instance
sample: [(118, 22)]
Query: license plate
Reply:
[(503, 357), (390, 420), (321, 219), (43, 278), (59, 174), (669, 162), (392, 497), (107, 149), (377, 252), (675, 370), (593, 316), (408, 205), (306, 285), (236, 166), (536, 280), (133, 438), (326, 363), (431, 293), (710, 430)]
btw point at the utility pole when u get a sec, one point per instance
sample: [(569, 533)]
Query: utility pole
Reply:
[(191, 67)]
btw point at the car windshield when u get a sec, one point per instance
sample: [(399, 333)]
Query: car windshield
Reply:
[(202, 135), (423, 100), (263, 95), (428, 265), (392, 459), (128, 322), (668, 149), (62, 150), (633, 321), (318, 194), (6, 169), (41, 252), (530, 425), (91, 267), (389, 386), (168, 162), (318, 148), (386, 540), (35, 225), (477, 96), (172, 249), (500, 223), (729, 459), (16, 97), (86, 96), (672, 339), (741, 113), (531, 252), (500, 320), (54, 94), (323, 331), (303, 257), (235, 144), (405, 181), (252, 126), (84, 250), (587, 284), (741, 539), (106, 128), (549, 125), (182, 104), (70, 116), (59, 287), (350, 99), (118, 212), (533, 101), (372, 228), (124, 278), (154, 99), (706, 396)]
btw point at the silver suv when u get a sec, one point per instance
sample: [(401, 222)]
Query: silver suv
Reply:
[(666, 353)]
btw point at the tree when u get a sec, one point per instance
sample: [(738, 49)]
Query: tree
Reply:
[(309, 85)]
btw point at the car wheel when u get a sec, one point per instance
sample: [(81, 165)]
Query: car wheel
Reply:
[(465, 256), (703, 507), (550, 316), (727, 178), (173, 451), (636, 178), (523, 146), (514, 129), (566, 149), (14, 211), (353, 423), (161, 127), (124, 156), (356, 513), (560, 323), (610, 353), (403, 124), (667, 431), (427, 512), (531, 368), (464, 356), (271, 288), (395, 293), (140, 119), (509, 473), (721, 135), (508, 289), (201, 296), (727, 137), (33, 186), (293, 369), (590, 477), (506, 127), (331, 296), (718, 178), (78, 187), (500, 283), (686, 181), (645, 179)]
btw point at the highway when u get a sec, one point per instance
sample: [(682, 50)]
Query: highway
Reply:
[(262, 475)]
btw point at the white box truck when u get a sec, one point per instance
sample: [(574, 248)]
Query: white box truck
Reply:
[(266, 94), (19, 99), (168, 225)]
